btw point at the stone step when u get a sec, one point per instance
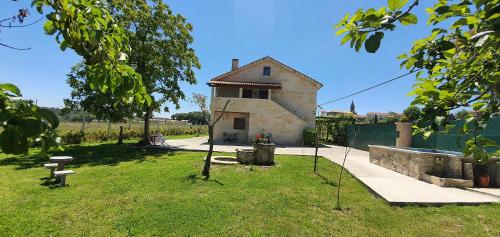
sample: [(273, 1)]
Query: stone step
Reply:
[(63, 172), (50, 165)]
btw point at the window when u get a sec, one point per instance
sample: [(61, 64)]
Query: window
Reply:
[(263, 94), (239, 123), (247, 93), (267, 71)]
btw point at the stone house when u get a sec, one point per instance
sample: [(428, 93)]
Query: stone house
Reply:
[(266, 96)]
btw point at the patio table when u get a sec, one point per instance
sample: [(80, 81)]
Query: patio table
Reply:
[(61, 161)]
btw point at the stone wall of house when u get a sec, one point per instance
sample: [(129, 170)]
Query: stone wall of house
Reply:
[(264, 116), (416, 164), (298, 94)]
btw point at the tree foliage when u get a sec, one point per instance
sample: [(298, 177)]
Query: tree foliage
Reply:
[(102, 105), (413, 113), (457, 65), (160, 53), (194, 117), (24, 123), (462, 114), (88, 28)]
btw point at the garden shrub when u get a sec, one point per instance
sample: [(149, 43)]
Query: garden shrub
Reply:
[(333, 130), (72, 137), (309, 136)]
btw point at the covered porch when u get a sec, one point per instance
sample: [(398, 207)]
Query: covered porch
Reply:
[(249, 90)]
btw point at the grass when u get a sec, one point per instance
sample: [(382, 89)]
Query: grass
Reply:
[(122, 190)]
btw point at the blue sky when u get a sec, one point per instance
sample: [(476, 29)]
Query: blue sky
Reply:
[(298, 33)]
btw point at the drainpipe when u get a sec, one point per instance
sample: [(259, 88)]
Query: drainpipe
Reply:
[(403, 134)]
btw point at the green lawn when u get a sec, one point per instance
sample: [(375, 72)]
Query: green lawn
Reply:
[(122, 190)]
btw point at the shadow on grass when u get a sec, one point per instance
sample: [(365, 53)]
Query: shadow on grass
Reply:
[(100, 154), (51, 183), (327, 180), (192, 178)]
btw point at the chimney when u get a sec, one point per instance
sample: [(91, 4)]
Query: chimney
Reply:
[(234, 64)]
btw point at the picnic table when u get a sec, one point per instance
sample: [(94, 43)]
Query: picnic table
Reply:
[(58, 163)]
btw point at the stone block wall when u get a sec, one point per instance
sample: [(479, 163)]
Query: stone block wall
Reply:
[(264, 116), (416, 164)]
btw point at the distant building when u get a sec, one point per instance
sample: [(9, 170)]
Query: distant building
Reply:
[(353, 108), (381, 116), (334, 113)]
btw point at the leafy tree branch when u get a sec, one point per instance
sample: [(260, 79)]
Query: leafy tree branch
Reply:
[(459, 61)]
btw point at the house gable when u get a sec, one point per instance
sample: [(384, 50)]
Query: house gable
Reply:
[(254, 72)]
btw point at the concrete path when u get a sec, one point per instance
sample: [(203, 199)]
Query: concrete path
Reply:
[(395, 188)]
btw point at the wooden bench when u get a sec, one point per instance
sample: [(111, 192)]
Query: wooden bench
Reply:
[(62, 175), (52, 167)]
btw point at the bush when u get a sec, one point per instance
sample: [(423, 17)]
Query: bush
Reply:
[(72, 137), (333, 130), (309, 136), (338, 133)]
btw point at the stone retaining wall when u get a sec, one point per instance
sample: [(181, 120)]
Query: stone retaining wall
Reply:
[(415, 164)]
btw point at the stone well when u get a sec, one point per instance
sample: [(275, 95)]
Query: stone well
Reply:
[(245, 156), (264, 153)]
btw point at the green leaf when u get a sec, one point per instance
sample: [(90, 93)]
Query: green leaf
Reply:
[(408, 19), (372, 44), (472, 20), (341, 31), (446, 45), (12, 142), (10, 87), (345, 39), (49, 27), (396, 4), (442, 9), (31, 127)]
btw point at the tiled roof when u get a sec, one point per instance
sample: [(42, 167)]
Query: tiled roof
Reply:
[(244, 84)]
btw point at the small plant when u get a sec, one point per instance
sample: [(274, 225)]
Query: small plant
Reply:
[(262, 138), (404, 119), (309, 137)]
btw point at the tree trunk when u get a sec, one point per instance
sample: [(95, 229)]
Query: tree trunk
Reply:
[(120, 137), (147, 117), (208, 160), (316, 150)]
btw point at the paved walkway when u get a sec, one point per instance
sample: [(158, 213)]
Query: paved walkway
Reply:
[(395, 188)]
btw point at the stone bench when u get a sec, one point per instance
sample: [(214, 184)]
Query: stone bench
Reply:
[(62, 175), (229, 137), (52, 167)]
